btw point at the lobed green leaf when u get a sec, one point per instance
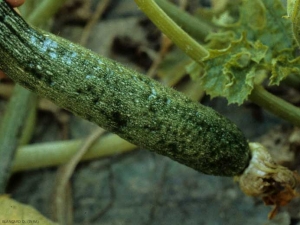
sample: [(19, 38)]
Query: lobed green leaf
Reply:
[(259, 40), (231, 72)]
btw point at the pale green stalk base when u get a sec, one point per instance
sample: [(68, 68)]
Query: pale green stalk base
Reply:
[(44, 11), (56, 153), (12, 125)]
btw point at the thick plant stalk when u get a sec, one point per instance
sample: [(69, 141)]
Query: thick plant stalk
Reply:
[(275, 105), (196, 51), (45, 10), (195, 27), (118, 99), (56, 153), (11, 131)]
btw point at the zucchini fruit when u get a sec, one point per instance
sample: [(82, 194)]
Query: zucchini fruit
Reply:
[(119, 99)]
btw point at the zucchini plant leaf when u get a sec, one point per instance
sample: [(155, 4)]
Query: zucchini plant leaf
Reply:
[(260, 39), (231, 72), (282, 66), (263, 20), (220, 40)]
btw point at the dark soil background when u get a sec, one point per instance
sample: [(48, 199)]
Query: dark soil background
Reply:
[(141, 187)]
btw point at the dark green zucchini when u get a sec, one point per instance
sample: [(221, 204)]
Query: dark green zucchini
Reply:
[(120, 100)]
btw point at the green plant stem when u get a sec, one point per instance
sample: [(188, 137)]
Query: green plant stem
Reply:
[(100, 9), (44, 11), (62, 181), (275, 105), (30, 121), (56, 153), (195, 27), (172, 30), (27, 8), (11, 130)]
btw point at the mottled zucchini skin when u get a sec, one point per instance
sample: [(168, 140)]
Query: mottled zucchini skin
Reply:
[(120, 100)]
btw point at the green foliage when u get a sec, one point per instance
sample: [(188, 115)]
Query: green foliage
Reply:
[(231, 72), (282, 66), (260, 40)]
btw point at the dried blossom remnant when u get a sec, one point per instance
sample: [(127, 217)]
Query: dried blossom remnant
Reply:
[(264, 178)]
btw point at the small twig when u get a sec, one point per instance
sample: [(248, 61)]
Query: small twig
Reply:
[(65, 173), (166, 43), (101, 7)]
